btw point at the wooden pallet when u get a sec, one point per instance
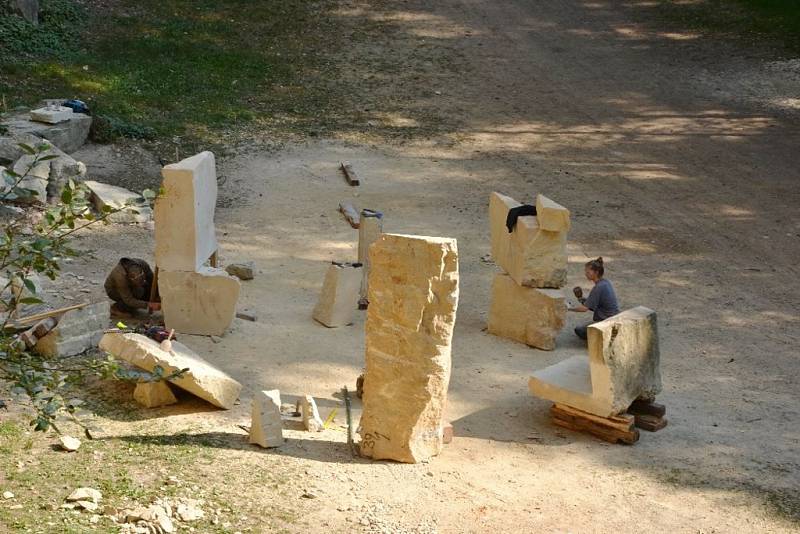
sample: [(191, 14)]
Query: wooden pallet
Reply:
[(617, 429), (648, 415)]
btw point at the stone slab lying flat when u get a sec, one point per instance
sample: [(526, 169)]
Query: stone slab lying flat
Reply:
[(203, 379), (202, 302), (52, 116), (266, 428), (338, 299), (531, 255), (413, 295), (623, 365), (134, 207), (184, 214), (526, 314), (77, 331)]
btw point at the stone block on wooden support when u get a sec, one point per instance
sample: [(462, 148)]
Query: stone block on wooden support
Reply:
[(413, 294)]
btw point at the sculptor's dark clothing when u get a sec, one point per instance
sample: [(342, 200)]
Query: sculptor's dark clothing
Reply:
[(603, 302), (516, 213), (122, 290)]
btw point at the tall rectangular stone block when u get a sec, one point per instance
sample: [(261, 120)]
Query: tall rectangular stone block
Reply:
[(77, 331), (203, 379), (531, 255), (623, 365), (551, 215), (339, 297), (526, 314), (413, 294), (369, 230), (184, 214), (202, 302), (266, 428)]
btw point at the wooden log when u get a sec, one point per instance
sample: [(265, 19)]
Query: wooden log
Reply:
[(350, 213), (651, 423), (641, 407), (32, 335), (617, 429), (350, 173)]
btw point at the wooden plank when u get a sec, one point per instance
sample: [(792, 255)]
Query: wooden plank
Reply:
[(640, 407), (32, 335), (651, 423), (44, 315), (350, 173), (612, 429), (350, 213)]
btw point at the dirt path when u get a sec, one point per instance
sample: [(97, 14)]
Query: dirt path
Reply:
[(691, 195)]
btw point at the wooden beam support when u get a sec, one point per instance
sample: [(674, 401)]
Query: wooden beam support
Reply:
[(617, 429), (350, 213), (350, 173)]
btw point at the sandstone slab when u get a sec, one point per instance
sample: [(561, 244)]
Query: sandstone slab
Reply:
[(134, 208), (184, 214), (339, 297), (551, 215), (154, 394), (202, 302), (77, 331), (531, 255), (311, 419), (413, 294), (369, 230), (526, 314), (52, 116), (623, 365), (266, 429), (203, 379)]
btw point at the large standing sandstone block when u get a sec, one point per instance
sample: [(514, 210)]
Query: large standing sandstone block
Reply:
[(526, 314), (77, 331), (531, 255), (266, 427), (203, 379), (339, 297), (623, 365), (202, 302), (413, 295), (184, 214)]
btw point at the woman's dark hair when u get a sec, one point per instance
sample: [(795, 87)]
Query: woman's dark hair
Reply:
[(596, 266)]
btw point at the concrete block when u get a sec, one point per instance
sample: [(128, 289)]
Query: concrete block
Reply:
[(623, 365), (526, 314), (67, 136), (339, 297), (184, 214), (77, 331), (52, 116), (413, 294), (134, 207), (531, 255), (311, 419), (202, 302), (154, 394), (551, 215), (266, 428), (203, 379)]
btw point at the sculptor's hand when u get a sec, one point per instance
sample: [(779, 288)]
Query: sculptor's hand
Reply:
[(578, 291)]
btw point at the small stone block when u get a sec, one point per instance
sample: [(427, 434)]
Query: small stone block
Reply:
[(339, 296), (154, 394), (52, 116), (311, 419), (266, 429)]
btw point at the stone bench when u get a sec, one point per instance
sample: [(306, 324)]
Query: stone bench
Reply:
[(623, 365)]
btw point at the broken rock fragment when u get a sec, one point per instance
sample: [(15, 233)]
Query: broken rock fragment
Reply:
[(203, 379), (338, 299), (266, 429), (242, 270), (311, 419), (70, 444), (154, 394)]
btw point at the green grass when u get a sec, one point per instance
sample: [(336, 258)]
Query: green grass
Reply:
[(155, 68), (776, 21)]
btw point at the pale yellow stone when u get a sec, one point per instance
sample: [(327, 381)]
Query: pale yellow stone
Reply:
[(154, 394), (311, 419), (266, 428), (623, 365), (338, 299), (531, 255), (202, 302), (369, 230), (413, 294), (203, 379), (184, 214), (551, 215), (526, 314)]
